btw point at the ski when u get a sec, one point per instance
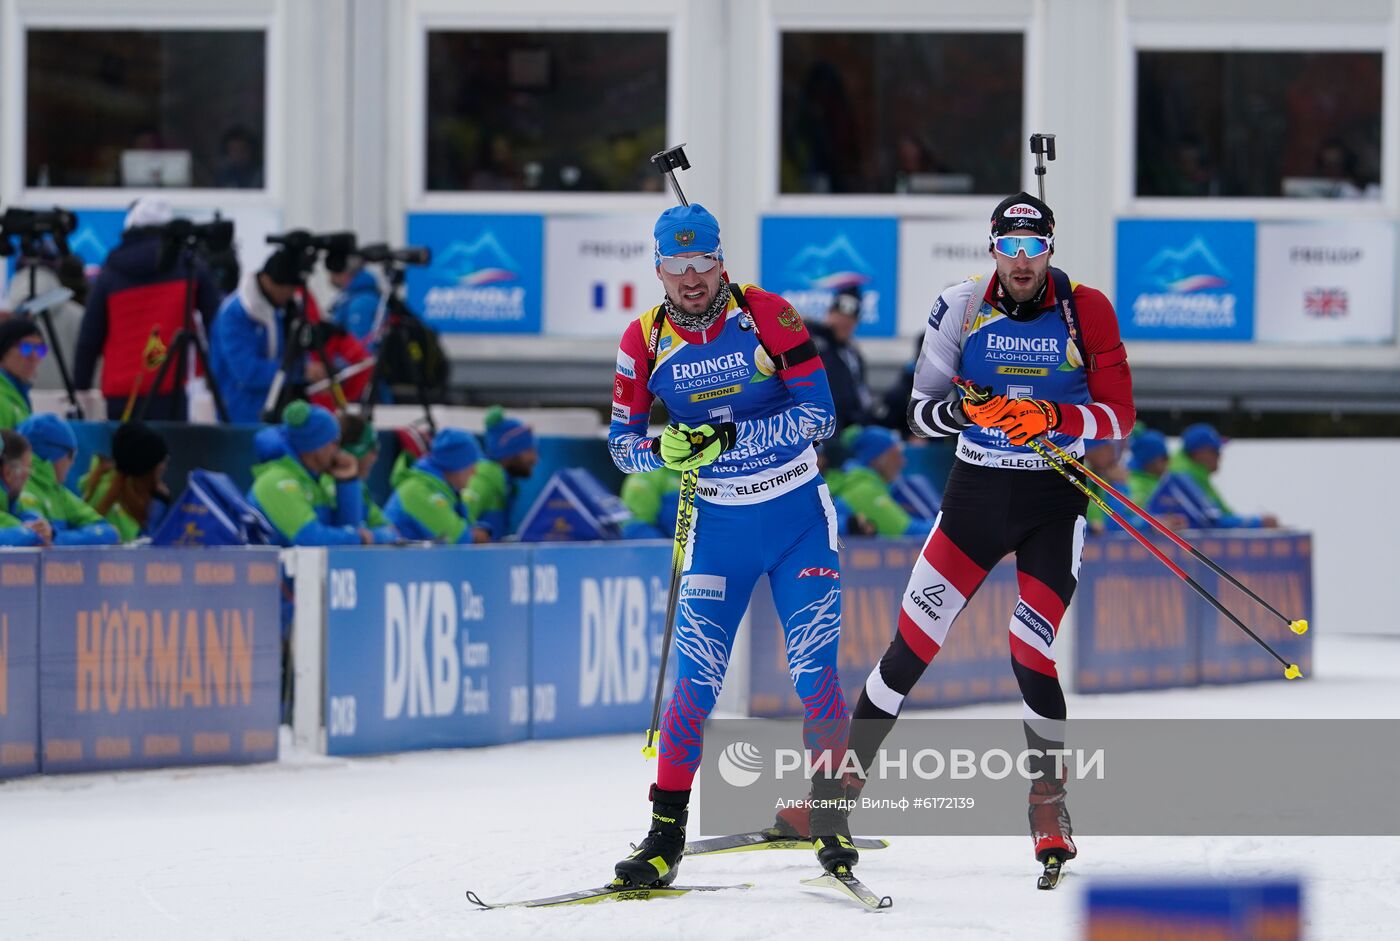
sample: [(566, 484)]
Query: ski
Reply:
[(1054, 869), (769, 839), (607, 893), (843, 881)]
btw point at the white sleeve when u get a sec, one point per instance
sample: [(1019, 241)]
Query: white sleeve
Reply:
[(933, 412)]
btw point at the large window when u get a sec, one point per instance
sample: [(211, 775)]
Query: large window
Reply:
[(145, 108), (545, 111), (1252, 124), (902, 112)]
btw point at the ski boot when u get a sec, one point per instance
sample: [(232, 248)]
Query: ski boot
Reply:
[(657, 858), (831, 834), (795, 822), (1049, 819)]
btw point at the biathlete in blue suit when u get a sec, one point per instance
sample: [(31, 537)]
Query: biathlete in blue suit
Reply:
[(736, 365)]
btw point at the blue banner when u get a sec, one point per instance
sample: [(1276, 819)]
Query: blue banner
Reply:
[(1185, 279), (1278, 568), (486, 273), (1221, 909), (597, 622), (1137, 626), (159, 657), (974, 664), (19, 664), (426, 648), (808, 259)]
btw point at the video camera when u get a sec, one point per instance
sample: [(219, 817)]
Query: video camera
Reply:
[(337, 246), (177, 235), (31, 225), (379, 252)]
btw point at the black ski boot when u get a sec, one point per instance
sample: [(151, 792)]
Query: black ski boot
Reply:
[(831, 834), (657, 858)]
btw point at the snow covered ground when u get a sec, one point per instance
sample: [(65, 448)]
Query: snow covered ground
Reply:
[(314, 848)]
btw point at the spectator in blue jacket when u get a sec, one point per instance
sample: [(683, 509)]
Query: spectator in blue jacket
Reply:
[(288, 489), (45, 494), (141, 287), (356, 307), (245, 346), (1199, 458)]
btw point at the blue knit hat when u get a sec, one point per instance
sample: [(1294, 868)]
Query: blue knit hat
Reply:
[(869, 443), (506, 437), (453, 450), (1148, 445), (309, 427), (49, 436), (686, 229), (1200, 436)]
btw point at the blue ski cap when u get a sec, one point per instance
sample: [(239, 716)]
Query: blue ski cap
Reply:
[(1199, 436), (1147, 447), (686, 229), (871, 442)]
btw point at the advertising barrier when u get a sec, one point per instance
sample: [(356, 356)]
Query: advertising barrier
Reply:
[(595, 642), (426, 648), (598, 273), (1140, 627), (1220, 909), (973, 666), (935, 254), (158, 657), (19, 664)]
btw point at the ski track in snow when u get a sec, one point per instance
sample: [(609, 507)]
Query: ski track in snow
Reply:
[(384, 848)]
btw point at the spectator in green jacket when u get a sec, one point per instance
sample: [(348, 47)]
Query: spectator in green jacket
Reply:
[(1199, 458), (653, 498), (511, 456), (15, 466), (427, 503), (287, 488), (358, 439), (74, 522), (876, 458), (129, 490), (22, 348)]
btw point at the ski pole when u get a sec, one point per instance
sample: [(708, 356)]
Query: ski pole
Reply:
[(1297, 626), (685, 518), (667, 162), (1291, 670)]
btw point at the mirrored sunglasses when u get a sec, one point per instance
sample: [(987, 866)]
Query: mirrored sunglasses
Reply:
[(33, 348), (1033, 245), (677, 264)]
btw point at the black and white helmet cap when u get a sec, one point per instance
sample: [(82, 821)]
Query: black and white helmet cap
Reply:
[(1022, 211)]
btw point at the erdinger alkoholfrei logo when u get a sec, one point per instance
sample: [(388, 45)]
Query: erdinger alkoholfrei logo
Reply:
[(740, 764)]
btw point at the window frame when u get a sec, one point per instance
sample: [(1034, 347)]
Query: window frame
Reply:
[(426, 16), (790, 17), (21, 16), (1195, 35)]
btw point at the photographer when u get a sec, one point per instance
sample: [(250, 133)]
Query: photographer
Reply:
[(141, 288), (245, 345), (357, 305)]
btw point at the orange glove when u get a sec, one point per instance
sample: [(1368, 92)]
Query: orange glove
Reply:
[(1028, 418), (980, 406)]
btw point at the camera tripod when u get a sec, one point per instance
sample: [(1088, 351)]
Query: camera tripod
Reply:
[(387, 321), (39, 308), (300, 337)]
